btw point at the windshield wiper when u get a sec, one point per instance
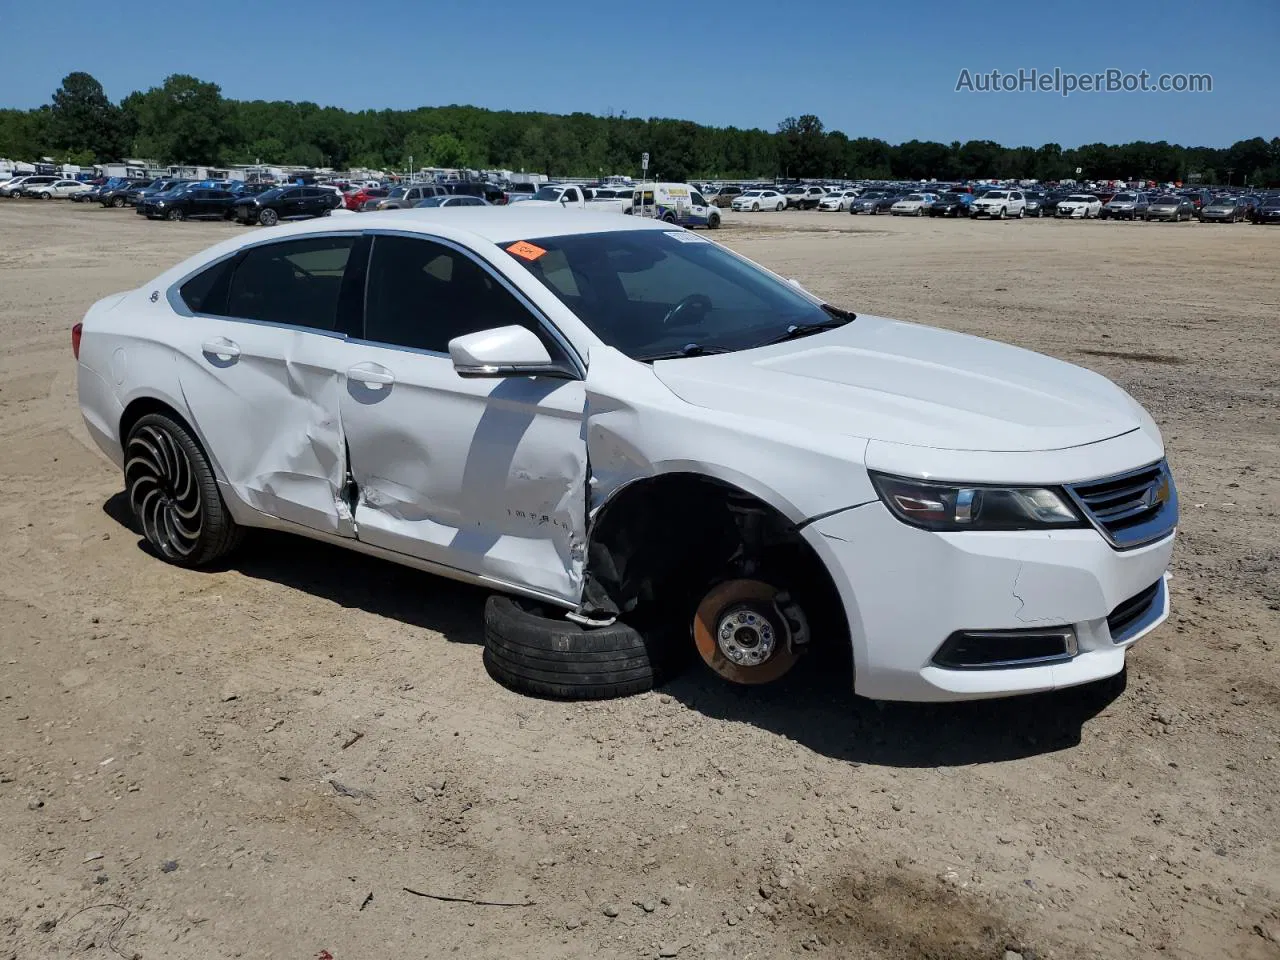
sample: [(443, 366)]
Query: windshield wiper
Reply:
[(796, 330), (688, 350)]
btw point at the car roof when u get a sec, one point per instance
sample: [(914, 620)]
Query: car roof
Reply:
[(495, 224)]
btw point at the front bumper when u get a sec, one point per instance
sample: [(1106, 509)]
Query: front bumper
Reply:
[(906, 590)]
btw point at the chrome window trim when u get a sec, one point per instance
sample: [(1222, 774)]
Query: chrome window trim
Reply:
[(571, 352)]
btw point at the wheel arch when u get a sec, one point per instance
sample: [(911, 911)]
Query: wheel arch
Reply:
[(700, 527)]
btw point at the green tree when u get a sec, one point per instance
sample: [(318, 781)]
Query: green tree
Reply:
[(183, 121), (83, 120)]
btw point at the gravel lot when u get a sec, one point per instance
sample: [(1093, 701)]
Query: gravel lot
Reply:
[(181, 774)]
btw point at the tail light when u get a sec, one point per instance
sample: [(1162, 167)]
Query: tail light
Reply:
[(76, 333)]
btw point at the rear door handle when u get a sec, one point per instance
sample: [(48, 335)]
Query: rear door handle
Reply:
[(220, 348), (372, 375)]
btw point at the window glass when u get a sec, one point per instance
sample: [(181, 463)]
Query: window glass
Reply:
[(422, 294), (206, 292), (626, 286), (697, 199), (295, 282)]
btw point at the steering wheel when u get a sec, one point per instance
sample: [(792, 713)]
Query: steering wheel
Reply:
[(692, 309)]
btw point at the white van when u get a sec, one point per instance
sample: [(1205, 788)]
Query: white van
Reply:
[(675, 203)]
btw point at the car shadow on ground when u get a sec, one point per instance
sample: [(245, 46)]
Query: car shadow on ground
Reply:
[(814, 706)]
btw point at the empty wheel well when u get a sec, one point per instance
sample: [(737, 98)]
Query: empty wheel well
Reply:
[(659, 544)]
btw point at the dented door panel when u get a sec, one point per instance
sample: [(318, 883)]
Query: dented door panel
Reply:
[(266, 399), (484, 475)]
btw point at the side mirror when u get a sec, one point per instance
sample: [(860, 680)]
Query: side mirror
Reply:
[(564, 199), (505, 352)]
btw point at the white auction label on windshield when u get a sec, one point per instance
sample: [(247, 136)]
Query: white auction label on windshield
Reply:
[(684, 236)]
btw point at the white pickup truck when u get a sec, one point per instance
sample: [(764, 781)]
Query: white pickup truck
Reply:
[(572, 197)]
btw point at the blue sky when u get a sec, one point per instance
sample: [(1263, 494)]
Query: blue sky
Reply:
[(879, 70)]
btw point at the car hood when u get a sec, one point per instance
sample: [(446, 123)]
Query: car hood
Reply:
[(881, 379)]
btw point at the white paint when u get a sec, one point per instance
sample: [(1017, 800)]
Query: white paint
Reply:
[(493, 480)]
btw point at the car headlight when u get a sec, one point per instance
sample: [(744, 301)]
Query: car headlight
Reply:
[(952, 506)]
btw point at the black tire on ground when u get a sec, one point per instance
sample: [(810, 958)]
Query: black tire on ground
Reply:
[(268, 217), (714, 222), (556, 658), (175, 214), (174, 494), (117, 202)]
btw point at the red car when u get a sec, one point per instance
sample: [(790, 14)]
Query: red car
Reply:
[(356, 199)]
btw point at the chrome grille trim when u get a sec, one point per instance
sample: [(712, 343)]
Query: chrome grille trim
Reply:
[(1130, 509)]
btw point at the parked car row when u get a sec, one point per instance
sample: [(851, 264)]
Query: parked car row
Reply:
[(1002, 203)]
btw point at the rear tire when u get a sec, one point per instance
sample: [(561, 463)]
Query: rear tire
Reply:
[(174, 495), (555, 658)]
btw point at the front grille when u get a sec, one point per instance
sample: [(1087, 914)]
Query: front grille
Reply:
[(1132, 615), (1133, 508)]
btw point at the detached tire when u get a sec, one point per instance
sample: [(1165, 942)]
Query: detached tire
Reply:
[(558, 659)]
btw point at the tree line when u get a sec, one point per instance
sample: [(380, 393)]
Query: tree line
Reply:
[(187, 120)]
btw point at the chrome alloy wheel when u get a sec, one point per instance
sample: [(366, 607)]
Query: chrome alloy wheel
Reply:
[(163, 492)]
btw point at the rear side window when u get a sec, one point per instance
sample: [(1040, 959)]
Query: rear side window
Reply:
[(206, 292), (296, 282)]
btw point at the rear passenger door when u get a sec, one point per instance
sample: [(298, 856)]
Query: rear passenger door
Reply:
[(260, 337), (482, 475)]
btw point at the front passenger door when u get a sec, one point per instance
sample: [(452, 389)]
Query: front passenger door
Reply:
[(482, 475)]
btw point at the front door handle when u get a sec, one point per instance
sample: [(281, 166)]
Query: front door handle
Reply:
[(221, 349), (372, 375)]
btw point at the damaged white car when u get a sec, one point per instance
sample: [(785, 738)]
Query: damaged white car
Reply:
[(646, 444)]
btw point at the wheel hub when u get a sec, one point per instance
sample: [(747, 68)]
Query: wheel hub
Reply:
[(742, 634), (745, 636)]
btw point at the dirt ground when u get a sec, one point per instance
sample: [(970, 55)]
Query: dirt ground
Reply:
[(258, 762)]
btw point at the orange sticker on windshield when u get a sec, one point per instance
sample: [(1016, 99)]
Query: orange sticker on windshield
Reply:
[(526, 250)]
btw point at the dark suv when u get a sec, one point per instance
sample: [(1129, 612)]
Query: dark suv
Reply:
[(118, 195), (476, 188)]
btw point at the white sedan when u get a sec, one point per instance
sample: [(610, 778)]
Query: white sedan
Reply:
[(642, 441), (58, 190), (913, 205), (756, 200), (1079, 206), (838, 200)]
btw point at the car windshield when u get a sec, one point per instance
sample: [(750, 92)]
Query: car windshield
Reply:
[(995, 195), (1081, 198), (433, 202), (1124, 198), (754, 193), (271, 194), (657, 293), (398, 193), (1167, 200), (548, 193), (913, 196)]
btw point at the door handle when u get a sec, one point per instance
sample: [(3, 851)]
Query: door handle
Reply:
[(221, 348), (371, 375)]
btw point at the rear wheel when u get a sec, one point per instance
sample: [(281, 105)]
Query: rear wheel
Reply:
[(174, 495)]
